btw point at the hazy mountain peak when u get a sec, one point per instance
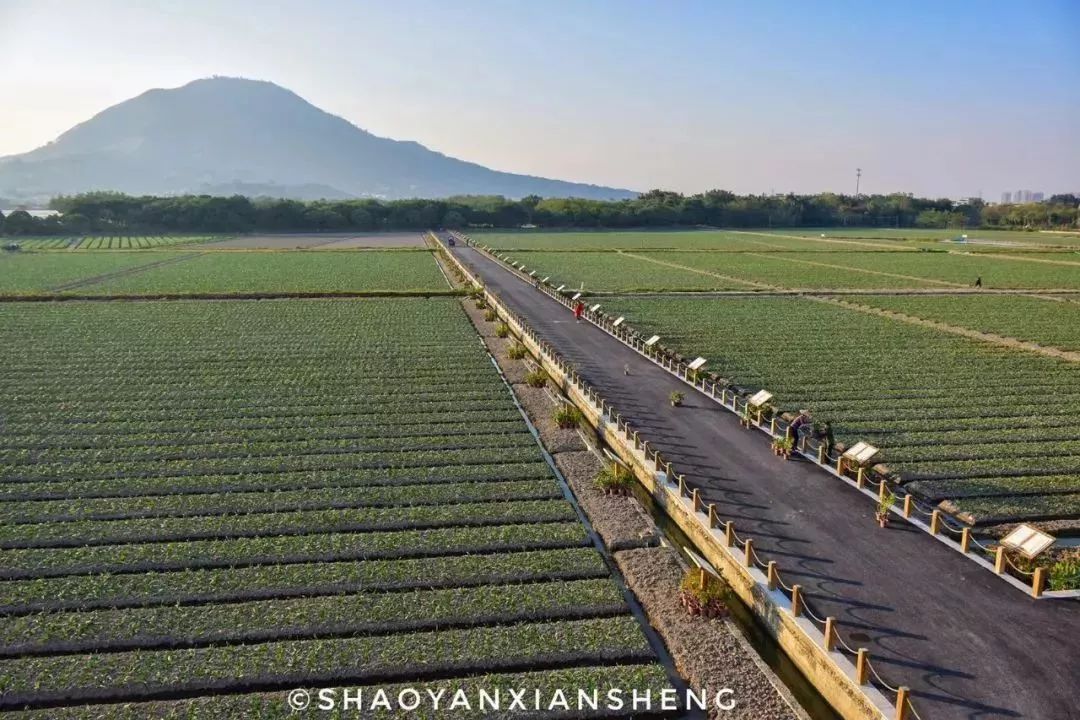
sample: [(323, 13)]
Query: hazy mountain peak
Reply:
[(217, 133)]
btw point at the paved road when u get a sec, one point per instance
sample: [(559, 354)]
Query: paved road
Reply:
[(967, 643)]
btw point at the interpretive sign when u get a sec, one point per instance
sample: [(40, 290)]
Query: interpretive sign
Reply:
[(760, 398), (1028, 541), (697, 364), (652, 341)]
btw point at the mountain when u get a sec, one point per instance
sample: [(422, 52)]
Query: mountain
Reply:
[(222, 135)]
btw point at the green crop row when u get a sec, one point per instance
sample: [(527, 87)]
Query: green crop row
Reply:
[(264, 524), (29, 563), (372, 657), (360, 613), (196, 484), (46, 511), (327, 577), (272, 705)]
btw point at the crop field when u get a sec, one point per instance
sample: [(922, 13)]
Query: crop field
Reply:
[(1033, 319), (631, 271), (111, 242), (715, 240), (128, 273), (42, 272), (959, 420), (219, 501)]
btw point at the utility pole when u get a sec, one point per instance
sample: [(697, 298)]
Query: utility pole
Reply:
[(858, 177)]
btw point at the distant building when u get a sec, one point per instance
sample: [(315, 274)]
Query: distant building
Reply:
[(1037, 197), (1006, 198), (1022, 196)]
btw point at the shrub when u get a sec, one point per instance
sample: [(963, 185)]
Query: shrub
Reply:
[(1065, 573), (614, 479), (676, 397), (702, 595), (516, 351), (480, 304), (502, 330), (490, 316), (536, 379), (567, 416)]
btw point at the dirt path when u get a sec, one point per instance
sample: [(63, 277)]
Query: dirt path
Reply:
[(862, 270), (1000, 340), (824, 240), (729, 278), (1016, 258), (94, 280)]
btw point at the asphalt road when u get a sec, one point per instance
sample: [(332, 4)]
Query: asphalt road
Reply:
[(968, 644)]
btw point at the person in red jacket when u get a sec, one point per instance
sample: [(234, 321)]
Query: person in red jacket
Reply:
[(579, 309)]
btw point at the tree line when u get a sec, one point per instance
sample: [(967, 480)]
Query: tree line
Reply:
[(120, 214)]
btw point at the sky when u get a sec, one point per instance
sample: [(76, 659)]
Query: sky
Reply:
[(950, 98)]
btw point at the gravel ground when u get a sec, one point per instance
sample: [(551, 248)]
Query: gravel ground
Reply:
[(708, 653), (540, 409), (619, 519)]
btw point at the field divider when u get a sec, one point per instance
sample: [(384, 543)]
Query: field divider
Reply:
[(829, 462), (298, 592), (834, 675)]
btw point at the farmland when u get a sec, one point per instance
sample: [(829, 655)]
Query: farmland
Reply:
[(241, 497), (910, 390), (131, 273), (633, 271), (982, 423), (111, 242)]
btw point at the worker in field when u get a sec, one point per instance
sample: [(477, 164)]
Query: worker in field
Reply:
[(579, 310), (827, 438), (978, 281), (796, 426)]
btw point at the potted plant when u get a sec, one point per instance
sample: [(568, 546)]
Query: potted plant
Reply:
[(884, 505), (701, 595), (676, 397), (614, 479), (782, 447)]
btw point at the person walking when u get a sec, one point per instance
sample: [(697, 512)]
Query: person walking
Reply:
[(978, 281), (579, 310)]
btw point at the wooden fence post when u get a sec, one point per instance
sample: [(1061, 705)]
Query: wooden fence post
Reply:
[(999, 560), (830, 633), (862, 666), (821, 454), (907, 505), (771, 573), (965, 540), (729, 533), (749, 552), (902, 693), (1038, 582), (860, 477), (935, 522), (796, 600), (696, 497), (712, 515)]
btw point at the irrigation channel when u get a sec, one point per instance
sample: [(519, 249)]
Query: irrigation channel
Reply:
[(964, 640)]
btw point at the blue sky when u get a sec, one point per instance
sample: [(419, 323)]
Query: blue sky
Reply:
[(944, 98)]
